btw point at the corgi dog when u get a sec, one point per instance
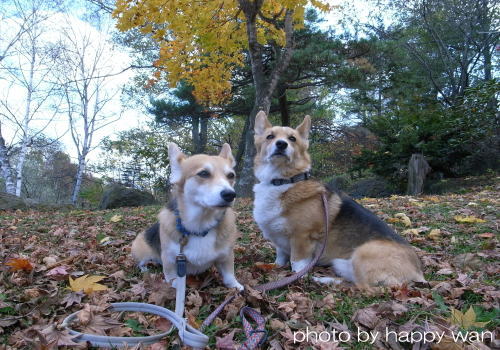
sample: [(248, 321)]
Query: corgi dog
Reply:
[(288, 209), (199, 217)]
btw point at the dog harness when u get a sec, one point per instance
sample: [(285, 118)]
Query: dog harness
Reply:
[(181, 260), (297, 178), (184, 231)]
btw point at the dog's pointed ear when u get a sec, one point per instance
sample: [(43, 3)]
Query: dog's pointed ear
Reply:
[(176, 157), (304, 128), (261, 123), (225, 152)]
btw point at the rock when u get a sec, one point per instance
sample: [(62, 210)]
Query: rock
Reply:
[(340, 183), (117, 196), (12, 202), (370, 187)]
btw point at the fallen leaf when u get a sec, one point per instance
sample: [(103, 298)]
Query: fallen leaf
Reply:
[(287, 306), (60, 271), (465, 320), (163, 324), (265, 267), (467, 261), (87, 284), (119, 275), (138, 289), (486, 235), (192, 321), (411, 231), (445, 271), (367, 317), (447, 343), (403, 218), (95, 324), (19, 264), (72, 298), (468, 219), (225, 343), (60, 337), (116, 218), (276, 325), (49, 260), (435, 234), (192, 281)]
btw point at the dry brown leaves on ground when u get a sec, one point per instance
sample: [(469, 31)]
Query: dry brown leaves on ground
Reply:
[(56, 263)]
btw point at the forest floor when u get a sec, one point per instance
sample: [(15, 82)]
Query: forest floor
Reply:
[(455, 236)]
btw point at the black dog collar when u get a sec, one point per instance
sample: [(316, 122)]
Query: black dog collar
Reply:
[(297, 178)]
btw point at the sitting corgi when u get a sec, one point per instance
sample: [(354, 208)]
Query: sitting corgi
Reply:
[(288, 209), (199, 216)]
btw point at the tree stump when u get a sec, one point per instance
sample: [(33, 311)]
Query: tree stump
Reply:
[(418, 168)]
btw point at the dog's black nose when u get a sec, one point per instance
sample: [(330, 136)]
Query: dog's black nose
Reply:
[(281, 145), (228, 195)]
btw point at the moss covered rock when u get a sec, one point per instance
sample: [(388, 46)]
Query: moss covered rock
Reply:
[(117, 196)]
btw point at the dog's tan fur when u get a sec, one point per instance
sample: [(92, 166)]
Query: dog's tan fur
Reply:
[(378, 256), (161, 243)]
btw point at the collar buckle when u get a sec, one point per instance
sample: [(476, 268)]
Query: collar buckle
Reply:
[(297, 178), (279, 182)]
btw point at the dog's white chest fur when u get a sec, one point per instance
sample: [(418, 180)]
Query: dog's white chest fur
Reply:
[(201, 252), (268, 213)]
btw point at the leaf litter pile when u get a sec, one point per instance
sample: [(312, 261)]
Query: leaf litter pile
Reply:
[(56, 263)]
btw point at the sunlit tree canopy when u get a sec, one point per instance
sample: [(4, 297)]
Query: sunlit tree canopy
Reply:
[(202, 42)]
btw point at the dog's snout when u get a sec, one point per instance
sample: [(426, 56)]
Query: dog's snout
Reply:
[(228, 195), (281, 145)]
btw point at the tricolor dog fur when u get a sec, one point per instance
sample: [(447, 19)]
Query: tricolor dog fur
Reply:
[(361, 248), (202, 196)]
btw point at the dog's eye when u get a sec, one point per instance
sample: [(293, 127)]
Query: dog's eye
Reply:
[(230, 176), (270, 137), (292, 138), (203, 174)]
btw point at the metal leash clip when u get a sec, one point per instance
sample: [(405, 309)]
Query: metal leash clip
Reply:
[(180, 262)]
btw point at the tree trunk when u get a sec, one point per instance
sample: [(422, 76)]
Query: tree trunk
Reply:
[(418, 168), (27, 117), (247, 179), (20, 167), (6, 167), (283, 102), (241, 147), (195, 134), (79, 178), (203, 134), (264, 84)]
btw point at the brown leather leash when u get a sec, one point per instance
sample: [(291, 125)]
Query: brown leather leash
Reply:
[(256, 337)]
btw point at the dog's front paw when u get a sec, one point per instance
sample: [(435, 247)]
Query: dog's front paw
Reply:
[(238, 286), (299, 265), (327, 280), (233, 283), (170, 279), (281, 260)]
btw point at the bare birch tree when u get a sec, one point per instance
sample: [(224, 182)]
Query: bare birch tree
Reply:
[(26, 101), (83, 75)]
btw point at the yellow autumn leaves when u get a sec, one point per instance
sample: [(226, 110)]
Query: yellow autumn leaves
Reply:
[(465, 320), (203, 42), (87, 284), (468, 219)]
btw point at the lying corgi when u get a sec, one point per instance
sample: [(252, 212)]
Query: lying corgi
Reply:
[(288, 209), (198, 215)]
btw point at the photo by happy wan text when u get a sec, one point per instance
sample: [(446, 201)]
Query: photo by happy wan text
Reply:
[(371, 337)]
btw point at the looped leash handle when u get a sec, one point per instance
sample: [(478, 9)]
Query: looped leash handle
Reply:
[(256, 337), (189, 335)]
